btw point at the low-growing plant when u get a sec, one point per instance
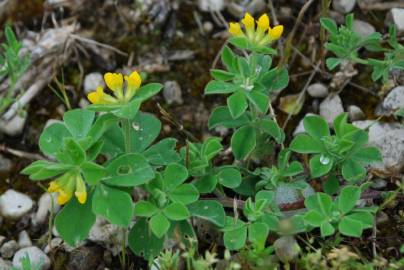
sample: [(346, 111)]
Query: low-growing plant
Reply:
[(103, 155)]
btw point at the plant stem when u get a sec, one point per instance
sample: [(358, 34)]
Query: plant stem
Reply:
[(126, 125)]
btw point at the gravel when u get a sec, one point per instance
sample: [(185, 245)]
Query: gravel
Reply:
[(14, 205)]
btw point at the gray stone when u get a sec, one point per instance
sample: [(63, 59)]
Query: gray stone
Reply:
[(92, 81), (5, 265), (14, 205), (389, 138), (355, 113), (8, 249), (85, 258), (379, 183), (2, 239), (44, 207), (5, 164), (318, 90), (331, 107), (286, 248), (394, 100), (211, 5), (108, 235), (55, 243), (382, 218), (207, 27), (344, 6), (172, 92), (363, 28), (235, 9), (37, 257), (396, 15), (14, 126), (24, 240)]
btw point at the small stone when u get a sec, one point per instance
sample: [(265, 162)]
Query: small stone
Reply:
[(85, 258), (355, 113), (286, 248), (382, 218), (211, 5), (396, 15), (14, 126), (344, 6), (394, 100), (256, 6), (83, 103), (207, 27), (92, 81), (5, 265), (108, 235), (331, 107), (235, 9), (363, 28), (2, 239), (14, 205), (172, 92), (55, 243), (44, 207), (5, 164), (318, 90), (37, 258), (24, 240), (8, 249), (379, 183), (285, 194), (300, 126)]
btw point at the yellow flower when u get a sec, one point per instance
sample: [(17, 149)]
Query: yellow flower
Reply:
[(66, 185), (133, 82), (114, 81), (276, 32), (248, 21), (263, 23), (235, 29), (99, 97)]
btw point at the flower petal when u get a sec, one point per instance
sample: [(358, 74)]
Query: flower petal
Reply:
[(248, 21), (276, 32), (114, 81), (235, 29), (263, 23)]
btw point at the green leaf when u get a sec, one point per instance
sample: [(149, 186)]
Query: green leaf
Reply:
[(229, 59), (92, 172), (210, 210), (103, 123), (316, 126), (258, 233), (74, 221), (72, 152), (305, 144), (350, 227), (329, 25), (206, 183), (185, 194), (211, 147), (235, 239), (294, 168), (51, 139), (221, 117), (240, 42), (113, 204), (174, 175), (326, 229), (332, 62), (229, 177), (221, 75), (129, 170), (146, 128), (147, 91), (144, 243), (163, 152), (79, 122), (353, 171), (259, 99), (237, 104), (128, 110), (348, 197), (243, 142), (320, 165), (320, 202), (159, 225), (365, 218), (331, 185), (41, 169), (367, 155), (276, 79), (145, 209), (314, 218), (271, 128), (176, 211), (218, 87)]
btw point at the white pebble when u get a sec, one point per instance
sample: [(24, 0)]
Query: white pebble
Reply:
[(37, 258), (14, 205)]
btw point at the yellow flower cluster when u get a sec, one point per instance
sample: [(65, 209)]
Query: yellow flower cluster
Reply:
[(115, 82), (68, 184), (261, 35)]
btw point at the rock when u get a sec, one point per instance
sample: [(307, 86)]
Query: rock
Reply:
[(14, 126), (14, 205), (55, 243), (207, 27), (379, 183), (286, 248), (318, 90), (8, 249), (108, 235), (396, 16), (85, 258), (92, 81), (285, 194), (2, 239), (382, 218), (344, 6), (389, 138), (355, 113), (300, 126), (235, 9), (44, 207), (5, 164), (5, 265), (256, 6), (331, 107), (363, 28), (394, 100), (211, 5), (37, 258), (172, 92), (24, 240)]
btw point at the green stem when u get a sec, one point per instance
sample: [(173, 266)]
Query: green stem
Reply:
[(126, 125)]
